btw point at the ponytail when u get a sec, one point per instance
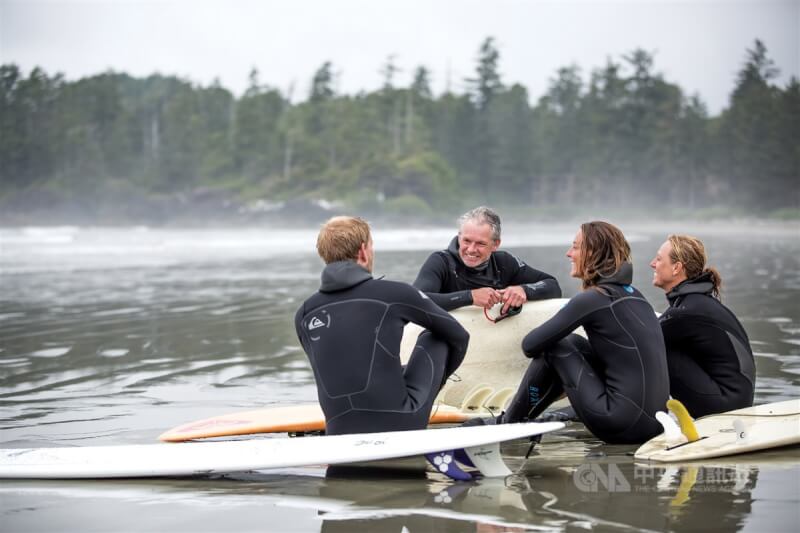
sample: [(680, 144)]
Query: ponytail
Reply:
[(691, 253), (715, 279)]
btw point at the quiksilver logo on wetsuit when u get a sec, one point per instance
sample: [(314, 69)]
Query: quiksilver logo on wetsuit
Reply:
[(316, 322)]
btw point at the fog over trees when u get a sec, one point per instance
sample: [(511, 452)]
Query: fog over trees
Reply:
[(620, 137)]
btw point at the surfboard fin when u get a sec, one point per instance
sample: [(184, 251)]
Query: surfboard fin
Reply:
[(445, 463), (498, 400), (475, 398), (684, 419), (671, 430), (488, 460), (461, 456)]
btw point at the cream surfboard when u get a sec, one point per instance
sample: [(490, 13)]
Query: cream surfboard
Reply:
[(481, 443), (744, 430), (302, 418), (494, 358)]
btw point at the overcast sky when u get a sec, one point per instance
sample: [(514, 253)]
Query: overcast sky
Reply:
[(698, 44)]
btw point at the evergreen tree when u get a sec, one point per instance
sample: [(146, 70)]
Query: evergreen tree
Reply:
[(258, 141), (510, 125), (30, 146), (560, 137), (484, 88), (753, 157), (487, 82), (603, 158)]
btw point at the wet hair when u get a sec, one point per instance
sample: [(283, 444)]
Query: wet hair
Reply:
[(341, 237), (482, 215), (691, 253), (603, 251)]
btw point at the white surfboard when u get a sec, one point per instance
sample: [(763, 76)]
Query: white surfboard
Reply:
[(744, 430), (494, 364), (203, 458)]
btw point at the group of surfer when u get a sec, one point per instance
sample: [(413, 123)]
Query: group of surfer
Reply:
[(616, 378)]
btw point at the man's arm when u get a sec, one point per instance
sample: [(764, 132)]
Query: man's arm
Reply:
[(421, 310), (298, 325), (431, 279)]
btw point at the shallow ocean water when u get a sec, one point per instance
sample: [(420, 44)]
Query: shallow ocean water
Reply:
[(112, 335)]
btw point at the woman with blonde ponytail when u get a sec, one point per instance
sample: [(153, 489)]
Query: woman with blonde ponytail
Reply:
[(711, 364)]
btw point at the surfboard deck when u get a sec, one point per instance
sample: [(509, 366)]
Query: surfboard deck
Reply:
[(741, 431), (494, 357), (302, 418), (220, 457)]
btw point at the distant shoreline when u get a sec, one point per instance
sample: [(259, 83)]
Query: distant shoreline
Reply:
[(513, 224)]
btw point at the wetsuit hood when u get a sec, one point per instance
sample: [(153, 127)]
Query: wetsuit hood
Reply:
[(342, 275), (453, 249), (623, 276), (702, 284)]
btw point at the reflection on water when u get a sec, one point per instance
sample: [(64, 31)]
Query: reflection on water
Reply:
[(112, 336), (619, 496)]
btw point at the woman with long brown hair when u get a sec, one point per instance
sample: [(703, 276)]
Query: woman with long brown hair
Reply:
[(617, 379), (711, 365)]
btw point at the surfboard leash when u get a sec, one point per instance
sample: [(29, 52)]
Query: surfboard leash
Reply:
[(512, 311)]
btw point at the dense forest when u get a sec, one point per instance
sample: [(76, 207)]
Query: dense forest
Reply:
[(126, 149)]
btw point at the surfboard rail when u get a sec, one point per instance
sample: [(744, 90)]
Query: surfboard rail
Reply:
[(298, 418)]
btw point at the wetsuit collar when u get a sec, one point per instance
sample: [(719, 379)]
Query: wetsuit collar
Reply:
[(453, 249), (702, 284), (623, 276), (343, 275)]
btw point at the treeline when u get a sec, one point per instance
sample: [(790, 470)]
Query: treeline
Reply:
[(624, 137)]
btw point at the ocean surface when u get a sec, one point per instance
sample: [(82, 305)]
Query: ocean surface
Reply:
[(112, 335)]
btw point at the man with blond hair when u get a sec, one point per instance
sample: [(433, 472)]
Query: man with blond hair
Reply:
[(351, 331)]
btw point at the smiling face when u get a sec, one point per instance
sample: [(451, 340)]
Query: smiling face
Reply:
[(475, 243), (574, 254), (666, 274)]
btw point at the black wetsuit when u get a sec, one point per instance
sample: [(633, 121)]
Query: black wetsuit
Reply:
[(351, 330), (617, 380), (449, 282), (711, 365)]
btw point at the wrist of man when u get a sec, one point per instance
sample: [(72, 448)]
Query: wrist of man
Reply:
[(529, 293)]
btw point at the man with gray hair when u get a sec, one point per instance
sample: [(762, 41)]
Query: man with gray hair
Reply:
[(472, 271)]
